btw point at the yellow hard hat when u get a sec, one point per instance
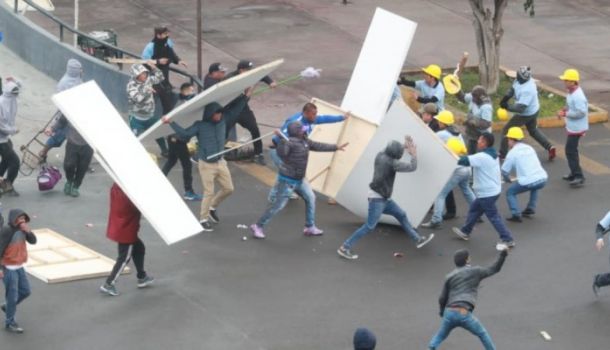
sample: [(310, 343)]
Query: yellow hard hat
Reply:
[(452, 84), (445, 117), (456, 146), (515, 133), (570, 75), (433, 70), (502, 114)]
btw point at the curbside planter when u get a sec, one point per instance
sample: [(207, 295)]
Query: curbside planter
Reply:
[(596, 113)]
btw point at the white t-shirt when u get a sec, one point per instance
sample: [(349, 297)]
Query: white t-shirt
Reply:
[(486, 174)]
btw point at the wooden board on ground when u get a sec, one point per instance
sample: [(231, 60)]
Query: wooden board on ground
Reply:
[(328, 171), (55, 258), (415, 191), (127, 161), (222, 93), (381, 58)]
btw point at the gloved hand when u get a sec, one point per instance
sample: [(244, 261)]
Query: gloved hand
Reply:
[(504, 102)]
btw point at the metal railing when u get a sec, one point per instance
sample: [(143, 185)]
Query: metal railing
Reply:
[(63, 26)]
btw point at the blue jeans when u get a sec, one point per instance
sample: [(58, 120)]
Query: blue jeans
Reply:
[(461, 178), (515, 189), (453, 318), (284, 190), (17, 288), (486, 206), (377, 207), (138, 126)]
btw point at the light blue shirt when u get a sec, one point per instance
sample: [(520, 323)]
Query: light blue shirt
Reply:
[(428, 91), (523, 158), (445, 135), (484, 111), (577, 116), (486, 175), (527, 94)]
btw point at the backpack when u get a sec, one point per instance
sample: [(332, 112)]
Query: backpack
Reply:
[(48, 177)]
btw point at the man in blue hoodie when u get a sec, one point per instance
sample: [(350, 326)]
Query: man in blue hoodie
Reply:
[(487, 187)]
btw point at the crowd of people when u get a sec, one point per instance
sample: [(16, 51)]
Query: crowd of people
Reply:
[(478, 174)]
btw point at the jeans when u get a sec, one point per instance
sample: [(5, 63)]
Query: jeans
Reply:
[(283, 189), (248, 121), (515, 189), (17, 288), (10, 161), (76, 162), (486, 205), (531, 124), (377, 207), (461, 178), (135, 251), (178, 150), (572, 156), (138, 126), (453, 318)]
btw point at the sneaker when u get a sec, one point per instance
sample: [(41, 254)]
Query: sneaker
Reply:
[(423, 240), (192, 196), (109, 289), (431, 225), (14, 328), (257, 231), (514, 218), (505, 245), (552, 153), (259, 159), (569, 177), (595, 286), (294, 195), (577, 182), (460, 233), (74, 191), (312, 231), (214, 216), (68, 188), (206, 225), (146, 281), (449, 216), (346, 253), (528, 213)]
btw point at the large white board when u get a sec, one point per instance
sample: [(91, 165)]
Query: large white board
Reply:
[(415, 191), (381, 58), (127, 162), (222, 93)]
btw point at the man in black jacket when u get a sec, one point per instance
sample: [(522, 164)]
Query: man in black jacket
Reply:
[(458, 298), (216, 73), (387, 164), (247, 119)]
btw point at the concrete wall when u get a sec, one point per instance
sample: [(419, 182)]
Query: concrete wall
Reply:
[(44, 52)]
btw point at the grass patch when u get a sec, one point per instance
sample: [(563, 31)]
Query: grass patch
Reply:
[(549, 102)]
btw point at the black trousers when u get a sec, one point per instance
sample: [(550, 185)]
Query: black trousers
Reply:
[(165, 93), (76, 162), (127, 252), (450, 203), (572, 156), (178, 150), (248, 121), (531, 123), (10, 161)]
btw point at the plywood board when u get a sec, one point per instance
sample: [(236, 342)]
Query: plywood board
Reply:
[(414, 192), (222, 93), (22, 6), (328, 171), (56, 258), (126, 160), (381, 58)]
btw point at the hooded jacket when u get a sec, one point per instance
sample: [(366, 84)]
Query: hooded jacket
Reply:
[(71, 78), (211, 135), (140, 94), (295, 152), (8, 109), (387, 164), (12, 241), (123, 219)]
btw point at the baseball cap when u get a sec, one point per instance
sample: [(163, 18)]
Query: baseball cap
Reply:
[(216, 67), (245, 64)]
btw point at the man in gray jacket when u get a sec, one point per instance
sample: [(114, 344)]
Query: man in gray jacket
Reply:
[(294, 154), (8, 114), (459, 296), (387, 164)]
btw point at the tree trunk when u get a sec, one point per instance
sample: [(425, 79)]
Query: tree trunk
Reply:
[(488, 33)]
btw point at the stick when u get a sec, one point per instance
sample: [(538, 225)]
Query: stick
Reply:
[(125, 60), (319, 174), (461, 64), (280, 83), (244, 144)]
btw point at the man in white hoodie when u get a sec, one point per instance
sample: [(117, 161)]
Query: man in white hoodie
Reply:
[(8, 112)]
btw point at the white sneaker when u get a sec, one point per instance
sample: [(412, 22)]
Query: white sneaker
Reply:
[(424, 240)]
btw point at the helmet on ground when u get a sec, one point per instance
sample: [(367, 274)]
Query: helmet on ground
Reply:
[(502, 114), (445, 117), (433, 70), (515, 133), (570, 75), (456, 146)]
